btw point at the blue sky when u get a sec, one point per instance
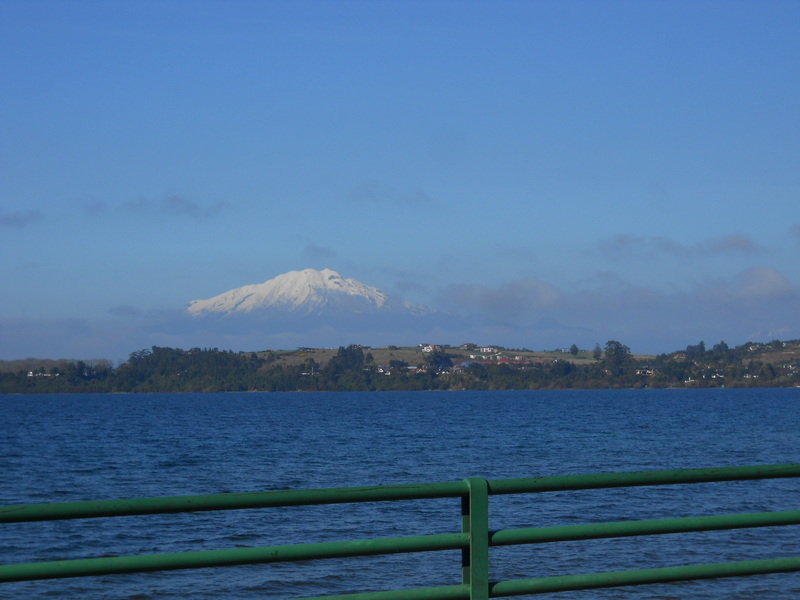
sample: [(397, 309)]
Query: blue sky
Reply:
[(581, 170)]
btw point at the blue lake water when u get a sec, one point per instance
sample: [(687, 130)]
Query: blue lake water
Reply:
[(89, 447)]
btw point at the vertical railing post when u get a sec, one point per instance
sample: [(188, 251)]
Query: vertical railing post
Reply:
[(475, 522)]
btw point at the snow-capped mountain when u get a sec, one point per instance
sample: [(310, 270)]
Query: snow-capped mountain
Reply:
[(309, 292)]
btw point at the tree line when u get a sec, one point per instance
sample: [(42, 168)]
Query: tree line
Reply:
[(160, 369)]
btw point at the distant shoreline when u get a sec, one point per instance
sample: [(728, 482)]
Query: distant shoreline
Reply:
[(426, 367)]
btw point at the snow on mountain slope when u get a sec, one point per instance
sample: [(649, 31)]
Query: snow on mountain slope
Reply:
[(303, 292)]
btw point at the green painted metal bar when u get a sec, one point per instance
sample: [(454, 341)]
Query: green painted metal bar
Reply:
[(641, 478), (475, 522), (567, 583), (175, 504), (474, 541), (589, 531), (475, 545), (226, 558)]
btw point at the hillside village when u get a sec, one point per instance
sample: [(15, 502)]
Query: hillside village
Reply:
[(423, 367), (747, 362)]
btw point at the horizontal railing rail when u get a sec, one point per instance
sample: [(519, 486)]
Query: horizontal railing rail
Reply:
[(473, 541)]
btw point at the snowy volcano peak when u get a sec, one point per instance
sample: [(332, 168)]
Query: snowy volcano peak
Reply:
[(311, 287), (308, 291)]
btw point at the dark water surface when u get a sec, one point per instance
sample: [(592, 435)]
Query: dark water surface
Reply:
[(90, 447)]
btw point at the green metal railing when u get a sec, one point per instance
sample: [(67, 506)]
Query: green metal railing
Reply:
[(474, 540)]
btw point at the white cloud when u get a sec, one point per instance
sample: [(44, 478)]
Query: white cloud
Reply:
[(315, 252), (20, 219), (734, 242), (173, 205), (648, 320), (626, 247), (764, 282), (758, 304), (374, 192), (58, 338), (125, 310), (516, 301)]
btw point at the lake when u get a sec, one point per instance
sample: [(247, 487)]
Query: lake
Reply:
[(56, 448)]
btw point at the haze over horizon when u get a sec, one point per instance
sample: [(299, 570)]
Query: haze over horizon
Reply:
[(544, 173)]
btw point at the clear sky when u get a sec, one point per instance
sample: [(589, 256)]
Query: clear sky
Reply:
[(597, 170)]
